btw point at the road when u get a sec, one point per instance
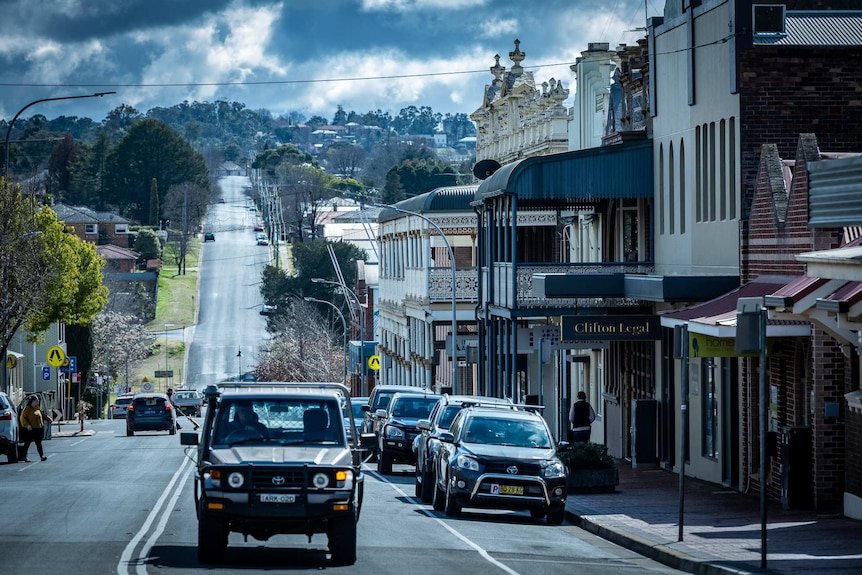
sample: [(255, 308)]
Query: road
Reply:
[(108, 503), (229, 320)]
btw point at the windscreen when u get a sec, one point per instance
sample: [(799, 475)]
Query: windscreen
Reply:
[(281, 421), (513, 432), (414, 407)]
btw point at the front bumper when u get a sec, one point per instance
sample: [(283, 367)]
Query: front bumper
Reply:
[(505, 491)]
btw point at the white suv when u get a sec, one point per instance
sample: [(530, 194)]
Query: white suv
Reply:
[(8, 429)]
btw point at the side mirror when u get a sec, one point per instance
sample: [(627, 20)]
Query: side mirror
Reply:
[(446, 437), (188, 438), (564, 446), (365, 408), (424, 425), (367, 440), (380, 414)]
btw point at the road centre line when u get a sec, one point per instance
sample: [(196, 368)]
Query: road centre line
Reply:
[(127, 552), (419, 505), (160, 528)]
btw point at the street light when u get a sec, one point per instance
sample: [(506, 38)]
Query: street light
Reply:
[(363, 374), (343, 324), (167, 325), (34, 102), (454, 299), (239, 364)]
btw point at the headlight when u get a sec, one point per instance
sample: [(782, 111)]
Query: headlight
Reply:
[(393, 432), (466, 462), (553, 468), (320, 480), (235, 480)]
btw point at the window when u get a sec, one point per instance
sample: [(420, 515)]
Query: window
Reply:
[(709, 407), (121, 229), (91, 228)]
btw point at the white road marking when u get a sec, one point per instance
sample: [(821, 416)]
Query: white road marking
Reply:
[(419, 505), (122, 566)]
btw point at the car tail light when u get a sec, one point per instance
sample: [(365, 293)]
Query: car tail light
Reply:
[(6, 416), (168, 406), (131, 407)]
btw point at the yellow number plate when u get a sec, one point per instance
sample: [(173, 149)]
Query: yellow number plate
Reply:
[(511, 490)]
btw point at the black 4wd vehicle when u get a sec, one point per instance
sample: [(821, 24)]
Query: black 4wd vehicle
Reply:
[(273, 458), (500, 459)]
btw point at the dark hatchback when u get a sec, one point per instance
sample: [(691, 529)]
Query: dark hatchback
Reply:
[(151, 412), (500, 459)]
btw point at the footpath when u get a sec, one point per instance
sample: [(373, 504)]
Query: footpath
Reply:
[(721, 528)]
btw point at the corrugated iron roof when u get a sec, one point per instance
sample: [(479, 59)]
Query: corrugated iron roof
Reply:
[(817, 28), (444, 199), (605, 172)]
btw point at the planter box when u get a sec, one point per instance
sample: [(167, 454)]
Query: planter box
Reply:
[(593, 480)]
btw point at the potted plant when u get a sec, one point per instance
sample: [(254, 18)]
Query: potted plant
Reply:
[(591, 468)]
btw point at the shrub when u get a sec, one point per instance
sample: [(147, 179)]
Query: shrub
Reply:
[(587, 456)]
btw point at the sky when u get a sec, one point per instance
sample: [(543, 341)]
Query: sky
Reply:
[(307, 56)]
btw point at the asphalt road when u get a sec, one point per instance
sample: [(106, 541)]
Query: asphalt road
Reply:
[(108, 503)]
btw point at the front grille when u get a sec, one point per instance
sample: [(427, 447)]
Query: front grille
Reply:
[(523, 468), (262, 478)]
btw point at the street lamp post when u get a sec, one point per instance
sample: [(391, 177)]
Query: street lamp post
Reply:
[(454, 298), (362, 373), (167, 325), (343, 324), (239, 364), (33, 103)]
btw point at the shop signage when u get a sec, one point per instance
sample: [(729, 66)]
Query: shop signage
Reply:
[(610, 327)]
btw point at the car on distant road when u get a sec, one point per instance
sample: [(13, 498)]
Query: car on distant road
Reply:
[(8, 429), (268, 309), (188, 401), (397, 428), (379, 399), (262, 240), (151, 412), (500, 459), (120, 405), (258, 226), (209, 237)]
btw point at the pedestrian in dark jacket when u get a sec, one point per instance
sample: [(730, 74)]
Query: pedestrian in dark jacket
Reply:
[(581, 417), (33, 422)]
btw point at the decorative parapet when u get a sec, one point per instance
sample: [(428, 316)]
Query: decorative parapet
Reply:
[(440, 284), (854, 401)]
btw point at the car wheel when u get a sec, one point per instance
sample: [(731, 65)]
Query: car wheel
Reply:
[(427, 485), (417, 487), (384, 463), (556, 514), (452, 508), (212, 539), (438, 500), (537, 513), (12, 454), (129, 432), (342, 540)]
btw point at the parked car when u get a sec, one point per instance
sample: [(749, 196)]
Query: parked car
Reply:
[(258, 226), (188, 401), (500, 459), (427, 442), (356, 404), (209, 237), (120, 405), (379, 399), (268, 309), (151, 412), (397, 428), (8, 429), (262, 240)]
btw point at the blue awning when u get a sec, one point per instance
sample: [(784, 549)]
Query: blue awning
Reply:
[(606, 172)]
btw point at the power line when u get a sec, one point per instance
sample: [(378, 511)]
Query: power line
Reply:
[(273, 82)]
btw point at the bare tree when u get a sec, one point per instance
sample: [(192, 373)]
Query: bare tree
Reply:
[(345, 159), (306, 347), (119, 341)]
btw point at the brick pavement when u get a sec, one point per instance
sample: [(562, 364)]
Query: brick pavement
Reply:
[(721, 532)]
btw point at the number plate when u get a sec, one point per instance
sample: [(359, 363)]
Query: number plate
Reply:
[(277, 498), (507, 489)]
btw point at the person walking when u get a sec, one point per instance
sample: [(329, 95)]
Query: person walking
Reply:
[(33, 422), (581, 417), (179, 412)]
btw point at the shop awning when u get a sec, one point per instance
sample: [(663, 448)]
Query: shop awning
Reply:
[(717, 317)]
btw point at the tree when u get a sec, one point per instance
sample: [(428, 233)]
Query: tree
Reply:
[(345, 159), (88, 173), (59, 166), (308, 189), (147, 245), (119, 341), (47, 274), (151, 150)]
